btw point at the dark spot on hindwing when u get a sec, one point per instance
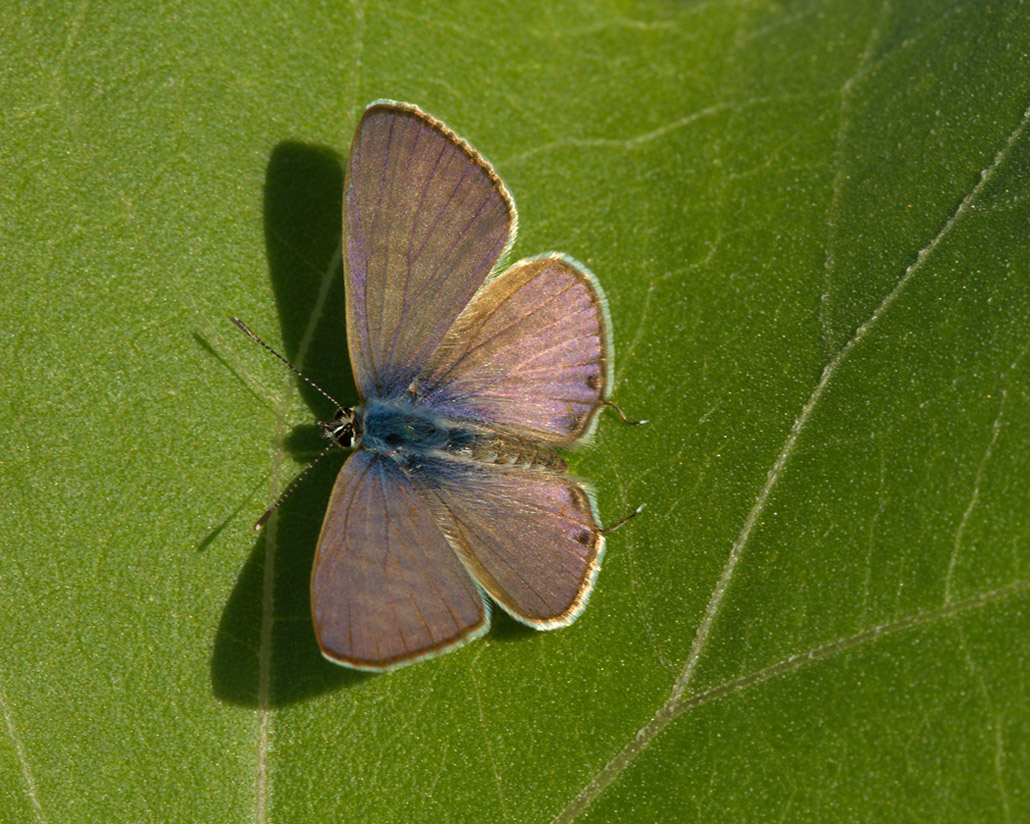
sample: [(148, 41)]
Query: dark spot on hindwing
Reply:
[(583, 538), (593, 381)]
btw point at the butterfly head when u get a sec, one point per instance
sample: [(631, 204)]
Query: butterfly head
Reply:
[(343, 428)]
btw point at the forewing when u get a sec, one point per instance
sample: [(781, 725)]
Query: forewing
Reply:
[(425, 220), (529, 537), (531, 353), (386, 588)]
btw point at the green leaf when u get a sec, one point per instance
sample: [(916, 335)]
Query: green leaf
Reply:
[(811, 223)]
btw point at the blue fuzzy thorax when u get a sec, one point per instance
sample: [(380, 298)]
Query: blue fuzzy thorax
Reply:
[(398, 427)]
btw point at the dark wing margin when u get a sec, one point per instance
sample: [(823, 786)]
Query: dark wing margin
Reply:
[(426, 218), (386, 587)]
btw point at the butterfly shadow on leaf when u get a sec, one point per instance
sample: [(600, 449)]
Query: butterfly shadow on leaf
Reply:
[(265, 651)]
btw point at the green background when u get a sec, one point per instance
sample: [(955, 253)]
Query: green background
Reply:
[(811, 221)]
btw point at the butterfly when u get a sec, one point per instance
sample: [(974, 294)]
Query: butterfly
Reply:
[(468, 386)]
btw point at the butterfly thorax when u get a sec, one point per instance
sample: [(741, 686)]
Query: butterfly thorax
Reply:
[(405, 431), (397, 427)]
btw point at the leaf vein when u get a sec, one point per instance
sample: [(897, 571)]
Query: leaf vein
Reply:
[(675, 704), (671, 711), (23, 762)]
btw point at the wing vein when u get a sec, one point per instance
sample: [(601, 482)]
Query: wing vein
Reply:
[(518, 321), (411, 241), (368, 278), (432, 275), (454, 618), (400, 577), (485, 545), (459, 295)]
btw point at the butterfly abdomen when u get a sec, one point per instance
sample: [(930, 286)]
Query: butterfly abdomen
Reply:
[(510, 451)]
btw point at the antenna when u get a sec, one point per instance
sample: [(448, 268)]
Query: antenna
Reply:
[(246, 329), (334, 437), (268, 512)]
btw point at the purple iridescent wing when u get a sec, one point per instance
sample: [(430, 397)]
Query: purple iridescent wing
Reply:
[(529, 537), (426, 218), (530, 354), (386, 588)]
